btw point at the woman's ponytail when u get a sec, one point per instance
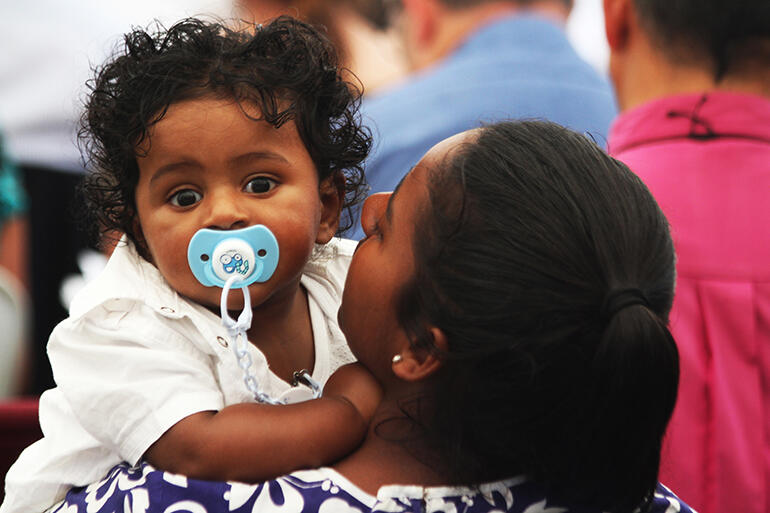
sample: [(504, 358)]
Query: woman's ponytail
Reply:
[(550, 269), (634, 378)]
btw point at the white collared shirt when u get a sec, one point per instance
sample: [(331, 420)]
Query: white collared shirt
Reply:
[(134, 358)]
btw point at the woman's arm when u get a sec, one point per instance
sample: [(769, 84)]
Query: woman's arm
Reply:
[(254, 442)]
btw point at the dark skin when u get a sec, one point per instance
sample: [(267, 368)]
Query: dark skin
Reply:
[(271, 440), (210, 165), (283, 332), (380, 461), (392, 452), (274, 440), (374, 336)]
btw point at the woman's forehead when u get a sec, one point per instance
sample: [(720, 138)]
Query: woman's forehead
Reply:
[(444, 148)]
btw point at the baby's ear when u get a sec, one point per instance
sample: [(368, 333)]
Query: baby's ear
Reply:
[(141, 242), (332, 194)]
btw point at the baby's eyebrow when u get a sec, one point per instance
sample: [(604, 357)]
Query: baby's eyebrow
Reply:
[(258, 155), (172, 167), (245, 158)]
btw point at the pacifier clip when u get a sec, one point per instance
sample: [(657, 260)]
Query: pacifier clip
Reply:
[(234, 259)]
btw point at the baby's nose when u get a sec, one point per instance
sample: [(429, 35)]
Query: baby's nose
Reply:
[(227, 212)]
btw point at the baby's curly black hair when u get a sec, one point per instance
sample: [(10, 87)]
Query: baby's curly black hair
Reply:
[(286, 68)]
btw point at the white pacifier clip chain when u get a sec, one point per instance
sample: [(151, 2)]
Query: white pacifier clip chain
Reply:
[(240, 342)]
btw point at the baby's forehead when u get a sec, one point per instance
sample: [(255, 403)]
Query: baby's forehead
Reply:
[(203, 113), (210, 135)]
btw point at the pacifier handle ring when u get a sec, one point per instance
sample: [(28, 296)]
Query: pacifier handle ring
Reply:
[(244, 319), (237, 331)]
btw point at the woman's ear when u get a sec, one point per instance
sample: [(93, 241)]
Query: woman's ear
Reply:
[(418, 364), (332, 194)]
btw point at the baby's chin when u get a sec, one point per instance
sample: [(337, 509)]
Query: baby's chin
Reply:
[(258, 295), (211, 298)]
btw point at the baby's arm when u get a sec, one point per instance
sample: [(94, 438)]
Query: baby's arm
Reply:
[(255, 442)]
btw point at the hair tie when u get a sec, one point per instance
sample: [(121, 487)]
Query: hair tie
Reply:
[(619, 299)]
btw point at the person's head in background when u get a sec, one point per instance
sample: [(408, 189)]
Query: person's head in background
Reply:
[(530, 315), (359, 29), (433, 29), (660, 47)]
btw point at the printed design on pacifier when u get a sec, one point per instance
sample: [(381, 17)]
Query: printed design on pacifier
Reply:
[(233, 262)]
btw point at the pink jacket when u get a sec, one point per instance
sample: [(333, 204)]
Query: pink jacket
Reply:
[(706, 159)]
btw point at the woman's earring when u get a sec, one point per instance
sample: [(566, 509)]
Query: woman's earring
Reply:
[(397, 358)]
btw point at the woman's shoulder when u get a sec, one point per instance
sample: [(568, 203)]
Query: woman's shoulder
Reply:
[(304, 491), (514, 495), (126, 280), (318, 490), (665, 501)]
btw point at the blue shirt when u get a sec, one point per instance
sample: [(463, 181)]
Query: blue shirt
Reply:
[(519, 66)]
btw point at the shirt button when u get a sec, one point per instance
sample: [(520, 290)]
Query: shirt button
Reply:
[(222, 342), (166, 309)]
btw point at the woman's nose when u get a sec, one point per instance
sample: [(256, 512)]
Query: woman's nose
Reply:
[(226, 211), (374, 208)]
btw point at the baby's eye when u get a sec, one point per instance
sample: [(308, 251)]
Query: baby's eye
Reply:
[(185, 198), (260, 185)]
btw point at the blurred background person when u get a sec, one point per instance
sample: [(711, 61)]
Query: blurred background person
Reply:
[(474, 61), (13, 277), (693, 81), (48, 48), (360, 29), (13, 223)]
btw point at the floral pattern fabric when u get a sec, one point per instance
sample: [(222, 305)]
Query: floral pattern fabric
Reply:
[(142, 489)]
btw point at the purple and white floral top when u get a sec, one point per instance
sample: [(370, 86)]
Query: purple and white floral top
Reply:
[(142, 489)]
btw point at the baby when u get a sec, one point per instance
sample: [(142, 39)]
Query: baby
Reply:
[(201, 126)]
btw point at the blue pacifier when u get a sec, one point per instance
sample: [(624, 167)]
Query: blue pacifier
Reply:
[(217, 255)]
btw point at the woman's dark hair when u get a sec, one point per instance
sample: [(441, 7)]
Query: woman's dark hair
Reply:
[(550, 268), (723, 32), (286, 68)]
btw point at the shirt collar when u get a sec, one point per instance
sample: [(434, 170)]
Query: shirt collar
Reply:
[(698, 116), (532, 32), (128, 276)]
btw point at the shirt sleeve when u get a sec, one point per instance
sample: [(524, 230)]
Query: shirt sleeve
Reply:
[(129, 376)]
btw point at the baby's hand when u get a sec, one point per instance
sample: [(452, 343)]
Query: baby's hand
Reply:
[(356, 385)]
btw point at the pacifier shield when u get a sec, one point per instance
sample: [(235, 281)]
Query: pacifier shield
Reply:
[(250, 253)]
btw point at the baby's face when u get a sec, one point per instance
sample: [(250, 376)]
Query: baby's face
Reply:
[(207, 165)]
